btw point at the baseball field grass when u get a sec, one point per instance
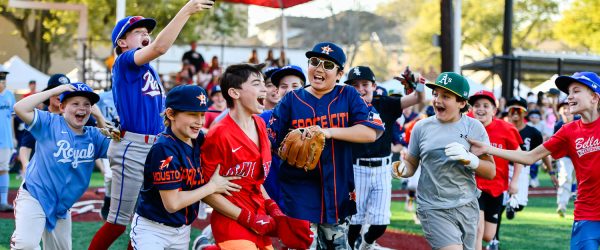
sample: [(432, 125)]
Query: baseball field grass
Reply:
[(536, 227)]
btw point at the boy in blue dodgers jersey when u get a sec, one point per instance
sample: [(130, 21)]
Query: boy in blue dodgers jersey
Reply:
[(7, 140), (61, 168), (447, 196), (372, 161), (173, 181), (139, 98), (324, 196)]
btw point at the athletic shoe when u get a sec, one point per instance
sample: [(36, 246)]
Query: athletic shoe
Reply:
[(365, 246), (416, 219), (200, 243), (561, 210), (409, 205), (534, 182), (357, 242), (510, 212), (493, 245), (6, 208)]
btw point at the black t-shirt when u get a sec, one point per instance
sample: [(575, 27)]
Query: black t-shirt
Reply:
[(194, 58), (531, 138), (389, 110)]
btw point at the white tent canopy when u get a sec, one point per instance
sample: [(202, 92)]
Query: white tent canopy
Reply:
[(545, 86), (20, 73)]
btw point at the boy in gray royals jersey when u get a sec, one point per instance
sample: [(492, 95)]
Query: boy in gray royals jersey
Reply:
[(447, 196)]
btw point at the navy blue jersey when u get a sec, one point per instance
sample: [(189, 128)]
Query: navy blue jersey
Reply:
[(170, 164), (325, 194), (271, 183), (138, 95), (390, 110)]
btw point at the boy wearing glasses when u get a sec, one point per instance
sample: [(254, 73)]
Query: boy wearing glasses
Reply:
[(325, 195), (140, 99)]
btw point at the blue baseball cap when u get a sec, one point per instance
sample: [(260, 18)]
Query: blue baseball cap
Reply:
[(589, 79), (268, 72), (329, 51), (287, 71), (187, 98), (215, 89), (81, 89), (380, 91), (128, 23)]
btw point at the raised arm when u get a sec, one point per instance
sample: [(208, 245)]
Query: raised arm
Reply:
[(25, 107), (518, 156), (167, 36)]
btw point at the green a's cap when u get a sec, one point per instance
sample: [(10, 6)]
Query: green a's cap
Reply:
[(452, 82)]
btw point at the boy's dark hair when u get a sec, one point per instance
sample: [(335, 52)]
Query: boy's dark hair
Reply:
[(235, 75)]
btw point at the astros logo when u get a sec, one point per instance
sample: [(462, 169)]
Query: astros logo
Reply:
[(326, 50), (165, 163), (202, 99)]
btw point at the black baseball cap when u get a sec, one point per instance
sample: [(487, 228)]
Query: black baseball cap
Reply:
[(55, 81), (360, 73), (517, 101)]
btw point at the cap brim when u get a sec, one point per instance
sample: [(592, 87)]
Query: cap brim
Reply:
[(563, 82), (310, 54), (93, 97), (277, 76), (433, 86), (515, 103), (148, 23), (474, 98)]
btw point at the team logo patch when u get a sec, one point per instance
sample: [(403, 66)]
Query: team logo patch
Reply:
[(445, 79), (63, 80), (165, 163), (357, 71), (375, 118), (326, 50), (202, 99)]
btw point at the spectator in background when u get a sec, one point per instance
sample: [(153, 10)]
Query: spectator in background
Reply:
[(186, 75), (282, 60), (270, 60), (217, 106), (32, 85), (7, 140), (216, 70), (253, 57), (192, 57), (204, 76)]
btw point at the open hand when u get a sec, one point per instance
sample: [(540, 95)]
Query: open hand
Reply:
[(223, 185), (478, 148), (195, 6)]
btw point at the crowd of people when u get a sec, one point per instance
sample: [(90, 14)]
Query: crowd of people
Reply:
[(213, 141)]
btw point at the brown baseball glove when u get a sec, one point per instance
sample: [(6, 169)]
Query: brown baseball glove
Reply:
[(111, 131), (302, 147)]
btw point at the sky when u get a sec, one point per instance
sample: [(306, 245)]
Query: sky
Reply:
[(315, 8)]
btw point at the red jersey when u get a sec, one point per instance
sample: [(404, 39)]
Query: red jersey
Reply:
[(228, 146), (502, 135), (581, 142)]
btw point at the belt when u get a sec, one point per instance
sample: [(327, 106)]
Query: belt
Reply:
[(374, 162), (139, 138)]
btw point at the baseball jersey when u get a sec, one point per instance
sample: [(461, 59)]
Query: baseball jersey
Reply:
[(107, 106), (61, 168), (502, 135), (209, 117), (7, 101), (326, 193), (581, 142), (228, 146), (271, 184), (170, 164), (138, 95), (389, 110), (531, 138), (448, 183)]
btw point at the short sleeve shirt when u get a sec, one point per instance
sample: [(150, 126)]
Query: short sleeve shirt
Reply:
[(449, 183), (7, 101)]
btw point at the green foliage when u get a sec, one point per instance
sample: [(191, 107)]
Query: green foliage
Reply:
[(580, 25)]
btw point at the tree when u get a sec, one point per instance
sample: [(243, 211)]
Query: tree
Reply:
[(580, 25), (481, 28), (49, 31)]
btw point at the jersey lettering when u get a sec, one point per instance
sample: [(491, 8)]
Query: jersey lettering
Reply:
[(166, 176), (585, 146), (245, 169), (151, 87), (333, 121), (74, 156), (189, 175)]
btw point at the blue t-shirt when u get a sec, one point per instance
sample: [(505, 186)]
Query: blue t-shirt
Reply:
[(7, 101), (170, 164), (61, 168), (138, 95)]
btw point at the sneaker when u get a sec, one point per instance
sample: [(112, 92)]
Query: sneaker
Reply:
[(510, 212), (416, 219), (6, 208), (366, 246), (200, 243), (561, 210), (409, 206), (357, 242), (534, 183), (493, 245)]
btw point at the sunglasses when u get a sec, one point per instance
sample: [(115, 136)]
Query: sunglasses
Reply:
[(517, 110), (327, 65)]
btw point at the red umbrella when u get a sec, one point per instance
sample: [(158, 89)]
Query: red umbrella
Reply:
[(271, 3)]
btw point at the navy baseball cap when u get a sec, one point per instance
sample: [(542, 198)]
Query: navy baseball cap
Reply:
[(360, 73), (57, 80), (269, 71), (128, 23), (286, 71), (589, 79), (380, 91), (215, 89), (329, 51), (81, 89), (187, 98)]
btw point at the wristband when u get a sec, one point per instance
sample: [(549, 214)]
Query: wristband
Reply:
[(420, 87)]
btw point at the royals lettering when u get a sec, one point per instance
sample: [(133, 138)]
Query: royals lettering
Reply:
[(151, 85), (585, 146), (67, 154)]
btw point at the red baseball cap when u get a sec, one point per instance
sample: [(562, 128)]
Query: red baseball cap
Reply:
[(294, 233), (483, 94)]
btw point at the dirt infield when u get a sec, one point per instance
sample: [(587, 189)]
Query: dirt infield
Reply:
[(92, 202)]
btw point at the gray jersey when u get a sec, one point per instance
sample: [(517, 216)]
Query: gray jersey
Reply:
[(444, 183)]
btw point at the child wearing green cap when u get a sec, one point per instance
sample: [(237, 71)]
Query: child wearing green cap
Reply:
[(447, 201)]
